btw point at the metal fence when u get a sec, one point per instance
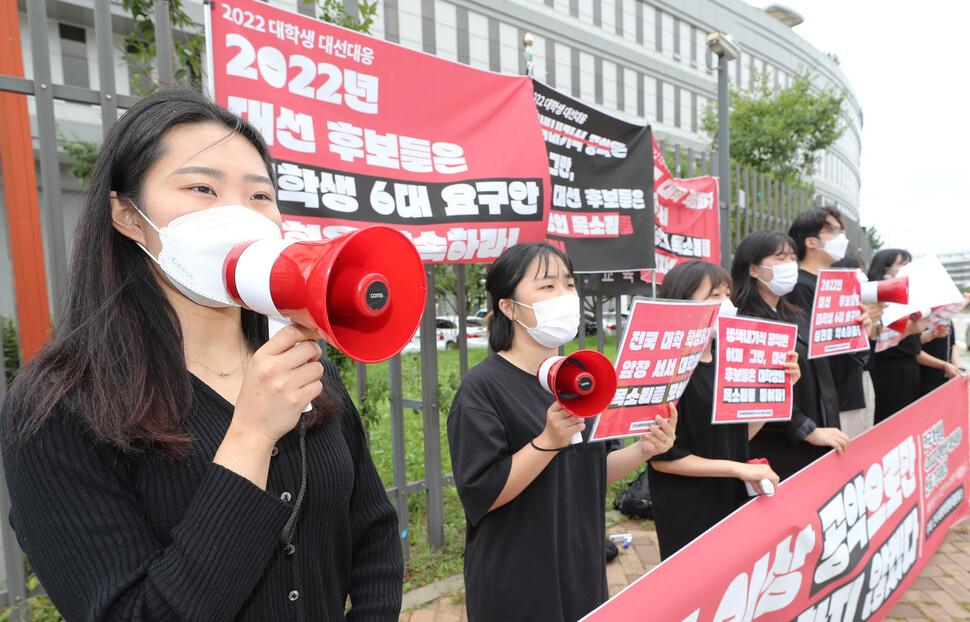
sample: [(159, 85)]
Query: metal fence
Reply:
[(765, 203)]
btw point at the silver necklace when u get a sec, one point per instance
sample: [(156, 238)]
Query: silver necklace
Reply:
[(222, 374)]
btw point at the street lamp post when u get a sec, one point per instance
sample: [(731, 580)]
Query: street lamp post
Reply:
[(726, 50), (528, 54)]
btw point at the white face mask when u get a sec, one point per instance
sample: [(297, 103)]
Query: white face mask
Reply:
[(194, 248), (783, 278), (836, 247), (557, 320)]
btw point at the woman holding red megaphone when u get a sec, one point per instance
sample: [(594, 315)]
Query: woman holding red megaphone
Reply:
[(158, 461), (534, 503), (895, 371)]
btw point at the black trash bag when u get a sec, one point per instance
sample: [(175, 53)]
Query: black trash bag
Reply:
[(611, 551), (635, 501)]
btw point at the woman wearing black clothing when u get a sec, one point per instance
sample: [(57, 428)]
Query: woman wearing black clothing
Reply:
[(763, 271), (895, 372), (158, 461), (534, 504), (701, 479)]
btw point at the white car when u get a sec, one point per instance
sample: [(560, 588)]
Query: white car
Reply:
[(474, 329), (609, 322), (446, 335)]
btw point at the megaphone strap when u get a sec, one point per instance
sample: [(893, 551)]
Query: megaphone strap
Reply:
[(290, 527)]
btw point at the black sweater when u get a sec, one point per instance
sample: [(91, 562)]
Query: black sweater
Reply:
[(143, 537)]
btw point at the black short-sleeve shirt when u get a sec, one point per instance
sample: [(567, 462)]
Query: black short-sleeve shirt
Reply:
[(540, 556)]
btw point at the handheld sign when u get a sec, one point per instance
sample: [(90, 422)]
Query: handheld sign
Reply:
[(835, 315), (655, 358), (751, 383)]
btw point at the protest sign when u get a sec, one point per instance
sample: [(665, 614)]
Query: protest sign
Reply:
[(750, 380), (687, 220), (835, 315), (602, 199), (365, 132), (842, 539), (887, 338), (656, 356)]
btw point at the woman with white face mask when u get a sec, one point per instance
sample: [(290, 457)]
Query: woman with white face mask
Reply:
[(700, 480), (158, 460), (534, 504), (763, 271)]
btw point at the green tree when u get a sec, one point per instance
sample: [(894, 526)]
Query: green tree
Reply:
[(780, 130), (875, 240), (140, 51), (446, 286), (333, 12)]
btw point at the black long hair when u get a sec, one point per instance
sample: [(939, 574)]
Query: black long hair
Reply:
[(685, 278), (503, 277), (744, 294), (883, 260), (116, 357)]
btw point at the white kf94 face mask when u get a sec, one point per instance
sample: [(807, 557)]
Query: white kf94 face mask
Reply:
[(836, 247), (557, 320), (194, 248), (784, 276)]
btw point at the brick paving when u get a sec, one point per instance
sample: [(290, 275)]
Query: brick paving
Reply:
[(940, 594)]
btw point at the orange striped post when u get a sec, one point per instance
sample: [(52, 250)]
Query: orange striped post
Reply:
[(20, 187)]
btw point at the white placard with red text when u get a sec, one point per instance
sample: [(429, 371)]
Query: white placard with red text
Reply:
[(368, 132), (659, 351), (751, 383), (842, 539), (835, 315)]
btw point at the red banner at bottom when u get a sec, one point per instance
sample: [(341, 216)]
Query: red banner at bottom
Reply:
[(842, 539)]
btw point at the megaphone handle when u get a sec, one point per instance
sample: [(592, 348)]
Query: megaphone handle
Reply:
[(576, 439), (276, 324)]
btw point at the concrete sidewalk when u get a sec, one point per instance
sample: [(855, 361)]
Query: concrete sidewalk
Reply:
[(941, 593)]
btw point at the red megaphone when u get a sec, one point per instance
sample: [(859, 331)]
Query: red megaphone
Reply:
[(900, 325), (889, 290), (583, 382), (364, 292)]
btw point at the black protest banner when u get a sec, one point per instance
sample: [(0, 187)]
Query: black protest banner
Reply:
[(602, 185)]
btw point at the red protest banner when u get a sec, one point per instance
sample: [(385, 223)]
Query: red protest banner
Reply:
[(686, 218), (751, 383), (842, 539), (659, 351), (835, 312), (365, 131)]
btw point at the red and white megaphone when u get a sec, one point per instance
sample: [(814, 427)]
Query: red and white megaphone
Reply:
[(364, 292), (890, 290), (583, 382)]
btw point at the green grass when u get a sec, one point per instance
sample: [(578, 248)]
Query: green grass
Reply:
[(427, 565)]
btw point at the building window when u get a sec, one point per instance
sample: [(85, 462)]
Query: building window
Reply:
[(676, 38), (74, 56)]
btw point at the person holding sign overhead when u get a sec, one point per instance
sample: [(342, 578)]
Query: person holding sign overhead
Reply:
[(763, 272), (159, 463), (700, 479), (534, 503)]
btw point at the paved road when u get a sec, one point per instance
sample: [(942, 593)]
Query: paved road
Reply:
[(940, 594)]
